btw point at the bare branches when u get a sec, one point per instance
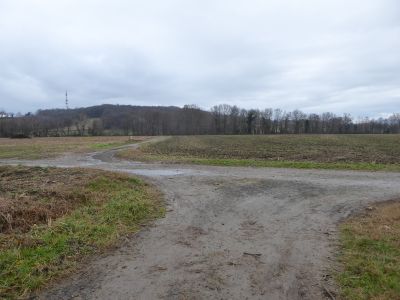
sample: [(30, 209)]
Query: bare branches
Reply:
[(151, 120)]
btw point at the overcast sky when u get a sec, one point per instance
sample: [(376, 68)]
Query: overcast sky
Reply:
[(313, 55)]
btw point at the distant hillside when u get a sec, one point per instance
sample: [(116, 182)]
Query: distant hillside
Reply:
[(110, 119), (100, 111)]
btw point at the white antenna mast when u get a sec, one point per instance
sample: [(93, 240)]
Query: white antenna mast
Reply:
[(66, 99)]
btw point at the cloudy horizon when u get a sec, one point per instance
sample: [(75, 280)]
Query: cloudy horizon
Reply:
[(316, 56)]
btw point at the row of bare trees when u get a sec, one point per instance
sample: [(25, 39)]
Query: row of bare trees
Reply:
[(221, 119), (232, 120)]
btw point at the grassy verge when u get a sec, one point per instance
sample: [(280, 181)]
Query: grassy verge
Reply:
[(371, 255), (52, 218), (37, 148)]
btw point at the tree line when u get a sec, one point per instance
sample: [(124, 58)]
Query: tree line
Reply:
[(151, 120)]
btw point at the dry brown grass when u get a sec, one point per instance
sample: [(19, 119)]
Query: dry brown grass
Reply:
[(53, 146), (50, 218), (382, 222), (37, 195), (371, 254)]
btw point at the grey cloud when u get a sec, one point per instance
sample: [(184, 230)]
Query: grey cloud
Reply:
[(334, 55)]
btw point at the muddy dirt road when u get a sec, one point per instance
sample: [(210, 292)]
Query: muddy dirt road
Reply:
[(229, 233)]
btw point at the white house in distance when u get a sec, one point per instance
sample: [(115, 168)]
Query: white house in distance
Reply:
[(3, 114)]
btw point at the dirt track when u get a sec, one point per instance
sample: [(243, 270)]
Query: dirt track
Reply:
[(229, 233)]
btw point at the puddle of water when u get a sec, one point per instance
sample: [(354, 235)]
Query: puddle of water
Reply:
[(163, 172)]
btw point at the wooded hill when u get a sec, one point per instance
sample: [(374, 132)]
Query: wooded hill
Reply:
[(158, 120)]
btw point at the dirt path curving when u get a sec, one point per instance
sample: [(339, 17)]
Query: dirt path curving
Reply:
[(229, 233)]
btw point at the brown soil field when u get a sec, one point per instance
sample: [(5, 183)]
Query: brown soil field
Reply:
[(316, 148)]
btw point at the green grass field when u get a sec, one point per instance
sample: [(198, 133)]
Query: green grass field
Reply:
[(357, 152), (51, 218), (370, 255)]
